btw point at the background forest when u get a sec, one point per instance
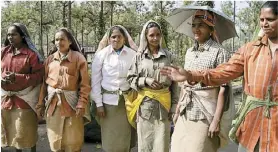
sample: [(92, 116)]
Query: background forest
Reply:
[(89, 20)]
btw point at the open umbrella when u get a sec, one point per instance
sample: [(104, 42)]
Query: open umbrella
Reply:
[(181, 21)]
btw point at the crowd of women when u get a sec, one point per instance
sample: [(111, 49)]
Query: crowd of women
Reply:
[(139, 91)]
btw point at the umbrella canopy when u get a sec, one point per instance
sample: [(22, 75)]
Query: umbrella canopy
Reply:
[(181, 21)]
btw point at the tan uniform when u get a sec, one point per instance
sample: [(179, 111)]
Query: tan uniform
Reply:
[(65, 130), (153, 125)]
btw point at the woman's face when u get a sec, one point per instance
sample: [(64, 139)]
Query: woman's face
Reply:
[(269, 22), (153, 36), (62, 42), (14, 37), (117, 39), (201, 30)]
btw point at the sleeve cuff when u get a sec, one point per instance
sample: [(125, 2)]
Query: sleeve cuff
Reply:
[(99, 104), (81, 104), (141, 82), (194, 77), (97, 99)]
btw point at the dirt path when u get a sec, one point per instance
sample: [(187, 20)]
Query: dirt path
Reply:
[(43, 145)]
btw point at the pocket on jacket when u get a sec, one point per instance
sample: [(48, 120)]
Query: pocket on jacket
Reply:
[(71, 69)]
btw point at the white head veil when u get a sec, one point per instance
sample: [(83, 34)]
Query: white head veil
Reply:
[(128, 40), (143, 39)]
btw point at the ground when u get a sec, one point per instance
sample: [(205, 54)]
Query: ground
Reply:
[(43, 145)]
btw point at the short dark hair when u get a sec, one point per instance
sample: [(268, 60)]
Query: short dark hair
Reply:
[(273, 5)]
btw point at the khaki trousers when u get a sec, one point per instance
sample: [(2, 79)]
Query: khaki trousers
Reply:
[(153, 135)]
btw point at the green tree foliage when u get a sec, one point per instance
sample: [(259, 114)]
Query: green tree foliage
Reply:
[(226, 7), (246, 20), (249, 17), (205, 3), (90, 20)]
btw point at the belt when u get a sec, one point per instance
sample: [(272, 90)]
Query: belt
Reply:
[(117, 92)]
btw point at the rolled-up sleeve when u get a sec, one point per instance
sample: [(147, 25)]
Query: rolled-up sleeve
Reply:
[(136, 82)]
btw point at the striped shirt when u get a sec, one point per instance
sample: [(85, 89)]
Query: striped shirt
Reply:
[(207, 56), (260, 69)]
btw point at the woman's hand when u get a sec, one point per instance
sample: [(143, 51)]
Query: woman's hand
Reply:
[(80, 112), (175, 73), (214, 129), (100, 111), (153, 84), (4, 82), (40, 110), (10, 77), (156, 85)]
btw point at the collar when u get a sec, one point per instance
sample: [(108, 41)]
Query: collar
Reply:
[(161, 52), (23, 50), (204, 47), (111, 50), (68, 56), (271, 45), (263, 41)]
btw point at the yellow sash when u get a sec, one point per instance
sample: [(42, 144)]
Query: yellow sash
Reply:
[(134, 99)]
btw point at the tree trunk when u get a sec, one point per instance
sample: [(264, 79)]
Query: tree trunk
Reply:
[(69, 15), (101, 22), (76, 30), (233, 41), (163, 23), (64, 14), (41, 39), (161, 8), (111, 15), (96, 38), (82, 31), (47, 43)]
